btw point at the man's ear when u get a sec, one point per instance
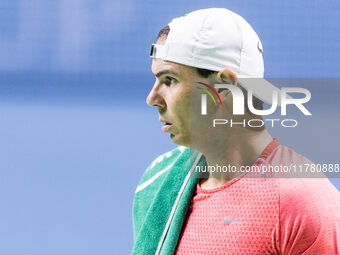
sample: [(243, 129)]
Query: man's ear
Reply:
[(227, 76)]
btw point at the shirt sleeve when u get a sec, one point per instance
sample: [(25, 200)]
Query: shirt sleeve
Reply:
[(309, 217)]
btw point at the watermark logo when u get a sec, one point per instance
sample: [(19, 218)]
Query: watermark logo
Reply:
[(280, 98), (238, 100)]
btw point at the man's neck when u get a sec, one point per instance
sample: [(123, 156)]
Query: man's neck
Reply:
[(236, 151)]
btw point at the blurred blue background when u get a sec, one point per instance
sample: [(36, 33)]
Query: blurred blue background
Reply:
[(75, 132)]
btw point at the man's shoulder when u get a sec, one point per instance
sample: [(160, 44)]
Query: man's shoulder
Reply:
[(308, 206), (299, 176), (308, 193), (301, 185), (309, 215)]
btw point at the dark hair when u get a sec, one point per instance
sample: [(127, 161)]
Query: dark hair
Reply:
[(257, 103), (164, 32)]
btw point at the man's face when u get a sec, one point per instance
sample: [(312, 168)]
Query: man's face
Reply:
[(171, 95)]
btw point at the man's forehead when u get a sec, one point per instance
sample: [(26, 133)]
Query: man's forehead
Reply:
[(160, 67)]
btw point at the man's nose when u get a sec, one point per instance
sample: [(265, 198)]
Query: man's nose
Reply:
[(155, 98)]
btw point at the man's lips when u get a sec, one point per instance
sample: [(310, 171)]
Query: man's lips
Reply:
[(166, 125)]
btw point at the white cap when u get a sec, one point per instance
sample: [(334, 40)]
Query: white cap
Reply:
[(215, 39)]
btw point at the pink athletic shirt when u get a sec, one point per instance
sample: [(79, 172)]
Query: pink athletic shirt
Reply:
[(264, 215)]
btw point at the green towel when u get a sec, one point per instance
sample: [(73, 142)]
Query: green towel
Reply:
[(162, 199)]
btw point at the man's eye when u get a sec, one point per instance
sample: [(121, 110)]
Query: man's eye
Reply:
[(169, 81)]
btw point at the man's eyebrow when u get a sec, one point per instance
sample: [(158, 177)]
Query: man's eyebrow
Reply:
[(166, 72)]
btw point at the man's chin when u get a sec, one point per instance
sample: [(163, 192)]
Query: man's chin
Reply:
[(180, 140)]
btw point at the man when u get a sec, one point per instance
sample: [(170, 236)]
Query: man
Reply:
[(233, 212)]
